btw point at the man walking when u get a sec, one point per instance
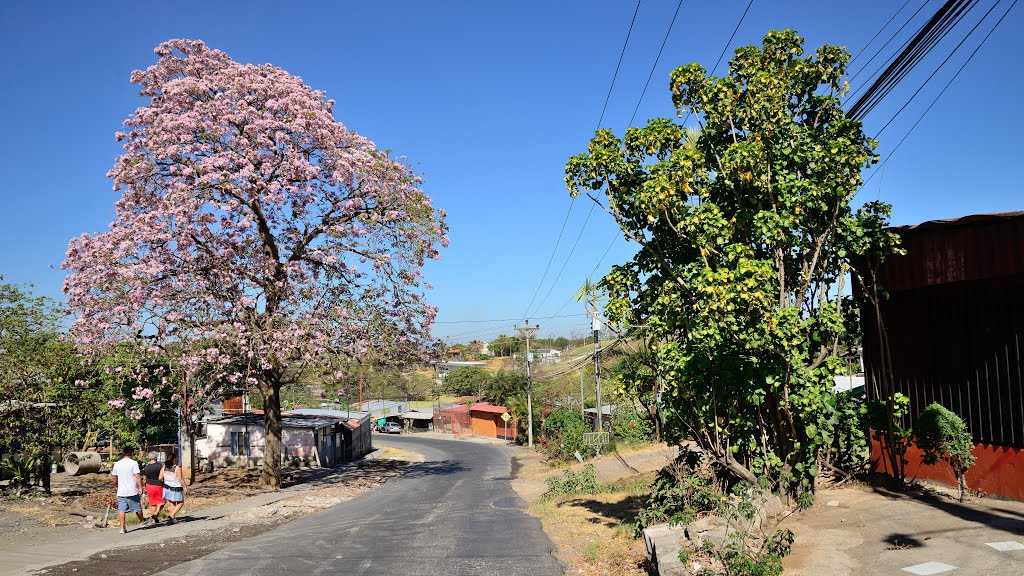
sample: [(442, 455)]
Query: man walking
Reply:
[(126, 478), (154, 489)]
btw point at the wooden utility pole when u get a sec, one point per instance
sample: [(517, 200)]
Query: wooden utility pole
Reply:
[(527, 331), (597, 366)]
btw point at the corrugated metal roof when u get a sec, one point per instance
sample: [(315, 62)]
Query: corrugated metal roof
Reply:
[(286, 421), (480, 407)]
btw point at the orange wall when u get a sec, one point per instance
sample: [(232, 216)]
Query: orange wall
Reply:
[(999, 470), (483, 424)]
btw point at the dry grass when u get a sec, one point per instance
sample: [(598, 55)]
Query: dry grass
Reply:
[(594, 533)]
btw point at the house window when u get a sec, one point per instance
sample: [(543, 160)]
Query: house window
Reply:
[(239, 443)]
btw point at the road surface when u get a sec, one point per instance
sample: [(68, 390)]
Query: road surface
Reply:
[(455, 514)]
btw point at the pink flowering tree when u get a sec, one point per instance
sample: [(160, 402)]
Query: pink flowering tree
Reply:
[(255, 235)]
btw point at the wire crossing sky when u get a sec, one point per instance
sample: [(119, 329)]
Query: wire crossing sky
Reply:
[(488, 101)]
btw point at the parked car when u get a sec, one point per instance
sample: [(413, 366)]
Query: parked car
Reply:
[(391, 428)]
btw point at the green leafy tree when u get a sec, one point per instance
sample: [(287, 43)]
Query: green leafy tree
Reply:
[(466, 381), (505, 345), (942, 435), (745, 236)]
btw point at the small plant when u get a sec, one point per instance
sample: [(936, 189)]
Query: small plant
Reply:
[(20, 470), (942, 435), (571, 484), (679, 494), (884, 418)]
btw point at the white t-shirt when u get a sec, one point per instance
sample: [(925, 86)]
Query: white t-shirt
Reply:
[(125, 469)]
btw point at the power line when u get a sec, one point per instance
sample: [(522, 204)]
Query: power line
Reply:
[(884, 26), (725, 48), (566, 263), (496, 320), (550, 258), (941, 92), (655, 65), (914, 51), (939, 67), (619, 64), (887, 42), (572, 202), (596, 266)]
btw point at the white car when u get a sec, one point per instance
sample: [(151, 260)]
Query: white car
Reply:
[(391, 428)]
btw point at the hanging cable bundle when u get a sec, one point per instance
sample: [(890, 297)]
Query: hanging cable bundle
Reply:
[(910, 55)]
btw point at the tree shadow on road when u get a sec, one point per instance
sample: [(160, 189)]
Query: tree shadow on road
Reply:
[(436, 468), (623, 511)]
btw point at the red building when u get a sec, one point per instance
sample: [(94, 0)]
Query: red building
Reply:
[(951, 330)]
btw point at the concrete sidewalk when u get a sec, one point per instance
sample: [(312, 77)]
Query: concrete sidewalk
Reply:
[(20, 559), (867, 531)]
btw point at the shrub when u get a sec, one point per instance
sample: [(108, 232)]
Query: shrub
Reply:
[(20, 469), (679, 494), (572, 484), (942, 435), (629, 426), (563, 432)]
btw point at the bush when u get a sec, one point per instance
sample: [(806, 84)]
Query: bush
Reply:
[(629, 426), (942, 435), (562, 435), (679, 494), (572, 484), (848, 447), (20, 469)]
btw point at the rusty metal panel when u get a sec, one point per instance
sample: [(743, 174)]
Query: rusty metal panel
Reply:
[(954, 324)]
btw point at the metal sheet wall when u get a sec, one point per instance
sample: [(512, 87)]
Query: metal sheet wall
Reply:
[(954, 322)]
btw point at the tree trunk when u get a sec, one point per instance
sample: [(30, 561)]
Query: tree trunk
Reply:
[(271, 475), (192, 455)]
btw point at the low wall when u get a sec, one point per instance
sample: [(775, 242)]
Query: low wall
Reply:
[(999, 470)]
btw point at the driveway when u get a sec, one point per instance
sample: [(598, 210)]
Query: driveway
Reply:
[(456, 514), (873, 531)]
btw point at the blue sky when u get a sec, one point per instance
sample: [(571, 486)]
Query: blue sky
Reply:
[(488, 99)]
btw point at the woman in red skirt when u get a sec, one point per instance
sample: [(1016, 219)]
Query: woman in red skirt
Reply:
[(154, 489)]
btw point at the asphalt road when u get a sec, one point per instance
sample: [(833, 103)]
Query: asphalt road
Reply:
[(455, 514)]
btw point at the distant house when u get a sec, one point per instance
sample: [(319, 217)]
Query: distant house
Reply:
[(590, 416), (548, 355), (443, 368), (387, 410), (323, 438), (418, 420)]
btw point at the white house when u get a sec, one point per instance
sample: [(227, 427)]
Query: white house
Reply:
[(322, 438)]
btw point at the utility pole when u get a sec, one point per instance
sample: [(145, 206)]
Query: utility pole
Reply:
[(527, 331), (583, 404), (597, 366)]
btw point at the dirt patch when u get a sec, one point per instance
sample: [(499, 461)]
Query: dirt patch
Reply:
[(154, 558)]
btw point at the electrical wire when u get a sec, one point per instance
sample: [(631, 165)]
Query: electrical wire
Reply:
[(618, 65), (725, 48), (656, 60), (572, 202), (880, 30), (564, 264), (936, 71), (941, 92), (887, 42), (920, 45)]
